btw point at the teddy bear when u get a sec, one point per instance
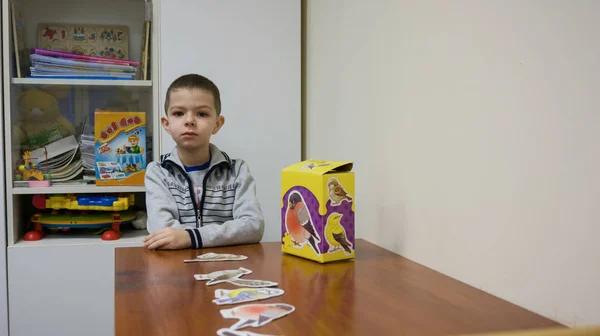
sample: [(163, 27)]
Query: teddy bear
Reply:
[(39, 114)]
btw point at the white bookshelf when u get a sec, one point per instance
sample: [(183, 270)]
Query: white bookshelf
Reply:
[(131, 14), (76, 267), (129, 238)]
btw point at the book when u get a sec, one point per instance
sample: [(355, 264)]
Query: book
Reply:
[(146, 42), (119, 148), (79, 77), (145, 54), (18, 30), (55, 67), (54, 149), (49, 60), (63, 54)]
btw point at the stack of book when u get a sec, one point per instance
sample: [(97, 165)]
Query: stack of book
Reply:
[(58, 64), (60, 159), (88, 155)]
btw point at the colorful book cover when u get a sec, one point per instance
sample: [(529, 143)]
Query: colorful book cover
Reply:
[(119, 146)]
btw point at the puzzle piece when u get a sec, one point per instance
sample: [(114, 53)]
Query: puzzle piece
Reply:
[(252, 283), (216, 257), (224, 296), (222, 276), (232, 332), (232, 276), (257, 315)]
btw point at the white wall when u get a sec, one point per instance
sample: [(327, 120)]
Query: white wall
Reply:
[(251, 50), (475, 131)]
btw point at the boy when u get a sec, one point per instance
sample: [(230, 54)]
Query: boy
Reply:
[(134, 148), (197, 196)]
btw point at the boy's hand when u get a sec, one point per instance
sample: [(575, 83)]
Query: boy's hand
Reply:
[(168, 239)]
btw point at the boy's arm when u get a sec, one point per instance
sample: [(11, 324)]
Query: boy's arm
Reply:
[(160, 204), (248, 222)]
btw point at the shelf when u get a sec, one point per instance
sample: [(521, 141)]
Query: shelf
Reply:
[(81, 82), (129, 238), (75, 189)]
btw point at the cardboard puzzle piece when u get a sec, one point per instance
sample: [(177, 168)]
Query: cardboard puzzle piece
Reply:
[(252, 283), (110, 41), (224, 296), (257, 315), (216, 257), (232, 276), (222, 276), (231, 332)]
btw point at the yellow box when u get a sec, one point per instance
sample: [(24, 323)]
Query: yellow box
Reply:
[(317, 210), (119, 146)]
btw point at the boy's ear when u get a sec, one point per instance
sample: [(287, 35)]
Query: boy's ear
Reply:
[(220, 122), (165, 124)]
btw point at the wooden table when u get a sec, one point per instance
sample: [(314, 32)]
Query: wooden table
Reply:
[(378, 293)]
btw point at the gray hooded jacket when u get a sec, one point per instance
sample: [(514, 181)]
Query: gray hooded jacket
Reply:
[(217, 209)]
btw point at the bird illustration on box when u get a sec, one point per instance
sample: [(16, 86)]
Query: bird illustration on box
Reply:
[(336, 235), (298, 223), (337, 193)]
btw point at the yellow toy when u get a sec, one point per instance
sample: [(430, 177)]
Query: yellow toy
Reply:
[(39, 113), (30, 171), (106, 212), (56, 220), (85, 202)]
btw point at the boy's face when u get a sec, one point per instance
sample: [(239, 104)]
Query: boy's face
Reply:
[(192, 118)]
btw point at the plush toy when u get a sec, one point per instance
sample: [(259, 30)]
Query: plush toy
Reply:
[(39, 121), (140, 220)]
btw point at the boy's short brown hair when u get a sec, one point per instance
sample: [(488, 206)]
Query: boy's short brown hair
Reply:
[(195, 81)]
